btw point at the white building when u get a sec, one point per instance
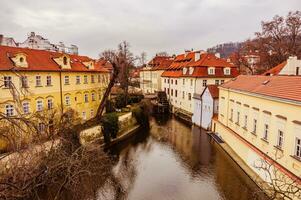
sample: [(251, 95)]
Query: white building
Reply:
[(205, 106), (189, 74), (290, 67), (150, 76), (34, 41)]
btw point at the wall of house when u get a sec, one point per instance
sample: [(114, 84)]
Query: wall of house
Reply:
[(75, 92), (251, 145), (207, 109), (291, 67)]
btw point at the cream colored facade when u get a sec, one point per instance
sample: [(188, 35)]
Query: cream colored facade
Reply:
[(150, 80), (257, 127)]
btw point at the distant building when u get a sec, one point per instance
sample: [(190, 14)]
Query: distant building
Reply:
[(290, 67), (259, 118), (188, 76), (38, 42), (205, 106), (150, 76)]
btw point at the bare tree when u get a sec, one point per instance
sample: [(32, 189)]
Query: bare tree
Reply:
[(275, 182)]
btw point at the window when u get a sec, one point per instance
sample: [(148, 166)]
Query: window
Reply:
[(39, 105), (227, 71), (189, 96), (7, 81), (98, 78), (298, 148), (9, 110), (171, 81), (297, 71), (77, 81), (222, 81), (65, 60), (167, 80), (48, 81), (92, 79), (67, 100), (238, 116), (168, 91), (41, 127), (183, 81), (231, 114), (38, 81), (176, 93), (280, 139), (24, 82), (25, 106), (66, 80), (86, 98), (204, 83), (49, 104), (85, 79), (171, 92), (176, 82), (93, 97), (92, 113), (216, 82), (183, 95), (191, 82), (84, 116), (211, 71), (246, 121), (254, 125), (266, 131)]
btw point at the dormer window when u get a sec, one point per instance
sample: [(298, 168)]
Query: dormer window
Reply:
[(191, 70), (20, 60), (184, 70), (211, 70), (89, 64), (227, 71), (65, 60)]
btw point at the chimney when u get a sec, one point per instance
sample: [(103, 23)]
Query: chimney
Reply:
[(186, 52), (197, 55), (218, 55), (1, 38)]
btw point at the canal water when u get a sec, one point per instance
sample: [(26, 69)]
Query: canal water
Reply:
[(174, 161)]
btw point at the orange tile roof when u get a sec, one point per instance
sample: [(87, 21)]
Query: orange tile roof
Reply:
[(275, 70), (41, 60), (283, 87), (200, 66), (214, 91), (159, 63)]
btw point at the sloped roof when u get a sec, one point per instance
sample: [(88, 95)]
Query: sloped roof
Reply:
[(275, 70), (214, 91), (283, 87), (42, 60)]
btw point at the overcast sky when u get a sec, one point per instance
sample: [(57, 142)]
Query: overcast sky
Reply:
[(148, 25)]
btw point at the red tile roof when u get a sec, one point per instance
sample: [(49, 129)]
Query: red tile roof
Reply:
[(283, 87), (41, 60), (160, 63), (200, 66), (214, 91), (275, 70)]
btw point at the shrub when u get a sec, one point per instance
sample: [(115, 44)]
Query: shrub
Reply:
[(110, 126), (141, 114), (120, 100), (110, 106), (135, 98)]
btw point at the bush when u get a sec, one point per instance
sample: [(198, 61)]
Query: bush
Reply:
[(120, 101), (135, 98), (141, 114), (110, 106), (110, 126)]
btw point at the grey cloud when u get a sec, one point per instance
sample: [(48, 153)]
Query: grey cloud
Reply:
[(151, 26)]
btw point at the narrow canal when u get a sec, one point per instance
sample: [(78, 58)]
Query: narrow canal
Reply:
[(176, 162)]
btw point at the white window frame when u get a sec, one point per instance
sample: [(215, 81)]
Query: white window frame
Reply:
[(49, 104), (9, 110), (38, 81), (93, 97), (204, 83), (48, 81), (86, 98), (265, 131), (67, 100), (297, 152), (24, 81), (280, 139), (66, 80), (39, 105), (26, 107), (77, 79), (7, 81)]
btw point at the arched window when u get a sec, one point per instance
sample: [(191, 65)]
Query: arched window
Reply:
[(21, 59)]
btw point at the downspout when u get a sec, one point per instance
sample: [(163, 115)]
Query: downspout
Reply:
[(61, 93)]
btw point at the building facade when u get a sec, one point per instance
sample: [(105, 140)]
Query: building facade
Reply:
[(259, 118), (35, 41), (290, 67), (44, 80), (189, 74), (205, 106), (150, 76)]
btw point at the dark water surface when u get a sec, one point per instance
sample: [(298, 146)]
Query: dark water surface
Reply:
[(174, 161)]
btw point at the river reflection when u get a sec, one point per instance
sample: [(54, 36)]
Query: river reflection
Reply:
[(175, 161)]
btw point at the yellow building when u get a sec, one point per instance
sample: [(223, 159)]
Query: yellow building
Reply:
[(44, 80), (260, 119)]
